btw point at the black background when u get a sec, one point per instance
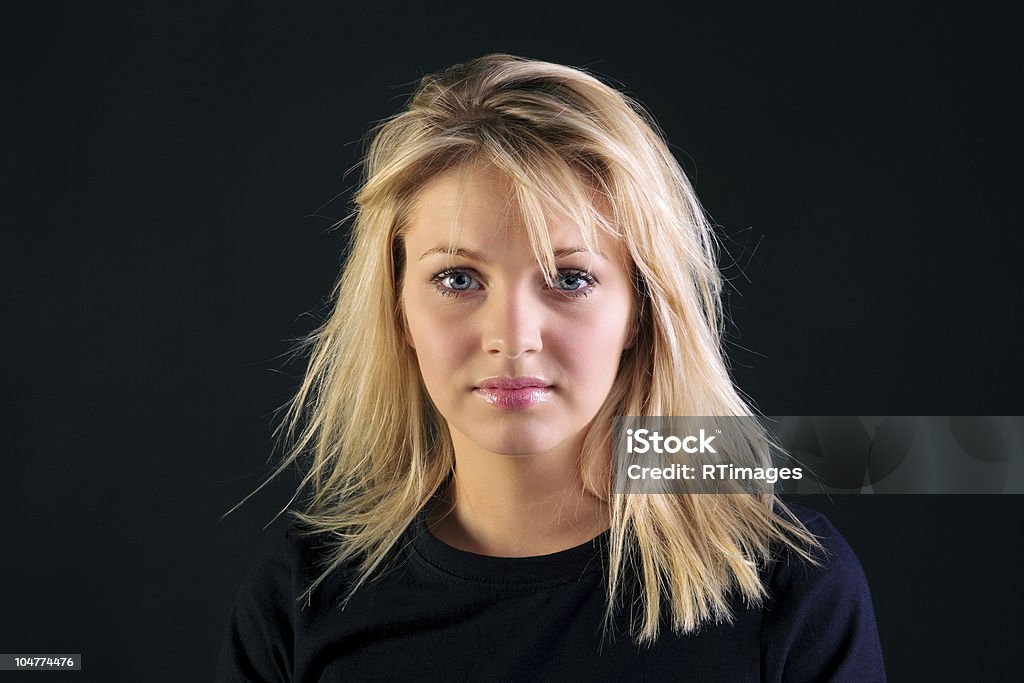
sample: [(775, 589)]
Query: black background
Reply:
[(167, 177)]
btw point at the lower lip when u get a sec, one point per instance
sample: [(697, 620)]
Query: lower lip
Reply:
[(514, 399)]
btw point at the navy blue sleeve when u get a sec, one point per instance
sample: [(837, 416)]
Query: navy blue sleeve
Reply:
[(819, 623)]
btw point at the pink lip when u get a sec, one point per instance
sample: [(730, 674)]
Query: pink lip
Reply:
[(513, 393)]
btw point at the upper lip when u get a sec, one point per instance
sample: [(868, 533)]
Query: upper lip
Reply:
[(512, 383)]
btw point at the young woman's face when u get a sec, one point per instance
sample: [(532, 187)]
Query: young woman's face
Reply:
[(514, 366)]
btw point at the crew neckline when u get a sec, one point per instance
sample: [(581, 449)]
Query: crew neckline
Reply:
[(565, 566)]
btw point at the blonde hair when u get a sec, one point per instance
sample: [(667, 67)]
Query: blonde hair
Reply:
[(378, 448)]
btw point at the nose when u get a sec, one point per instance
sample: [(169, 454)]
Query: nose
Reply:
[(512, 322)]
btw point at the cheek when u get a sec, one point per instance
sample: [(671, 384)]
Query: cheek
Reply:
[(609, 328), (437, 341), (421, 326), (591, 348)]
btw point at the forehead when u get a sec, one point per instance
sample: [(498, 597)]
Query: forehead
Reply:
[(479, 203), (466, 195)]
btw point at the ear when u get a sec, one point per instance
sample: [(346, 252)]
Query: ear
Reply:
[(639, 307), (631, 337), (634, 324), (401, 319), (398, 272), (404, 324), (630, 341)]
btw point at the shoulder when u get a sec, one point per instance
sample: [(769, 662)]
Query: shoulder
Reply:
[(834, 561), (291, 560), (819, 619), (282, 573), (260, 639)]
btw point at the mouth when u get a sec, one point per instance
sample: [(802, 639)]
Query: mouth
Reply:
[(513, 393)]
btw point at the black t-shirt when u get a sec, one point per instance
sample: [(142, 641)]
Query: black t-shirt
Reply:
[(439, 613)]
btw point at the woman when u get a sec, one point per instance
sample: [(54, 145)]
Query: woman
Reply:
[(527, 262)]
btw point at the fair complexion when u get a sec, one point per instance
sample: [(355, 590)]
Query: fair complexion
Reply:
[(517, 368)]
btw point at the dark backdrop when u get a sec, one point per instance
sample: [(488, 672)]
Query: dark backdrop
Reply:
[(167, 174)]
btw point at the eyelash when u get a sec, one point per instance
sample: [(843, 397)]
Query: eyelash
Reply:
[(587, 278)]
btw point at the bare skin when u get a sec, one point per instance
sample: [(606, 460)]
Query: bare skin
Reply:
[(479, 311)]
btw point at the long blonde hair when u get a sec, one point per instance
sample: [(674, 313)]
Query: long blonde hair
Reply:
[(378, 449)]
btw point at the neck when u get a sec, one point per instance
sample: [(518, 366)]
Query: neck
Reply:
[(516, 505)]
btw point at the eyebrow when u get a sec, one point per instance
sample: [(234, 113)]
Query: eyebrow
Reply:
[(449, 250)]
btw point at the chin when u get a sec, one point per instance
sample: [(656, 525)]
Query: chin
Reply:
[(516, 447), (514, 440), (517, 437)]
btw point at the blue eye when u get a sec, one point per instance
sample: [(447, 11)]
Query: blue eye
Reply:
[(454, 282), (572, 281), (459, 281), (575, 282)]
